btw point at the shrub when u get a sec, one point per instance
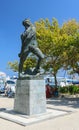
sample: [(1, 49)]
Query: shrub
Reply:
[(73, 89), (63, 90)]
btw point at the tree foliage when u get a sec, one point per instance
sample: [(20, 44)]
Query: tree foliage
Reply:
[(29, 63), (51, 42), (60, 45), (71, 29), (13, 66)]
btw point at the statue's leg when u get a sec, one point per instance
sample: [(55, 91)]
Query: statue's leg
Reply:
[(38, 63), (39, 54), (21, 65), (22, 59), (36, 51)]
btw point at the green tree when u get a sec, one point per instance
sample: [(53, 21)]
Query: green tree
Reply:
[(29, 63), (71, 29), (51, 42), (13, 66), (59, 44)]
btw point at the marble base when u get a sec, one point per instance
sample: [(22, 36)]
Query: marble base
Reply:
[(30, 97)]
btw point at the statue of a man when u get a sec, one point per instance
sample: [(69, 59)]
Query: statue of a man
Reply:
[(29, 44)]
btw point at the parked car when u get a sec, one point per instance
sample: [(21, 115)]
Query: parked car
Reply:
[(2, 86), (10, 88)]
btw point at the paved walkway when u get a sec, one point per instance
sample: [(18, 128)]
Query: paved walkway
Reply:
[(69, 121)]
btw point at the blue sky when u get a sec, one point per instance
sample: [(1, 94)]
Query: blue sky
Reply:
[(13, 12)]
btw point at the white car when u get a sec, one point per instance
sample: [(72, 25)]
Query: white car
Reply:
[(10, 87)]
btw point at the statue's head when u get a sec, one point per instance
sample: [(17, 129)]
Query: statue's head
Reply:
[(26, 22)]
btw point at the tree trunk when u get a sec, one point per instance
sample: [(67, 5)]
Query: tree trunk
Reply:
[(55, 78)]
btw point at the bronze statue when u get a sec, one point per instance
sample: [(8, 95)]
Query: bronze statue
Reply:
[(29, 44)]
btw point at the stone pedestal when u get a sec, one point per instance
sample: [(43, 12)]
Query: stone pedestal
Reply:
[(30, 97)]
